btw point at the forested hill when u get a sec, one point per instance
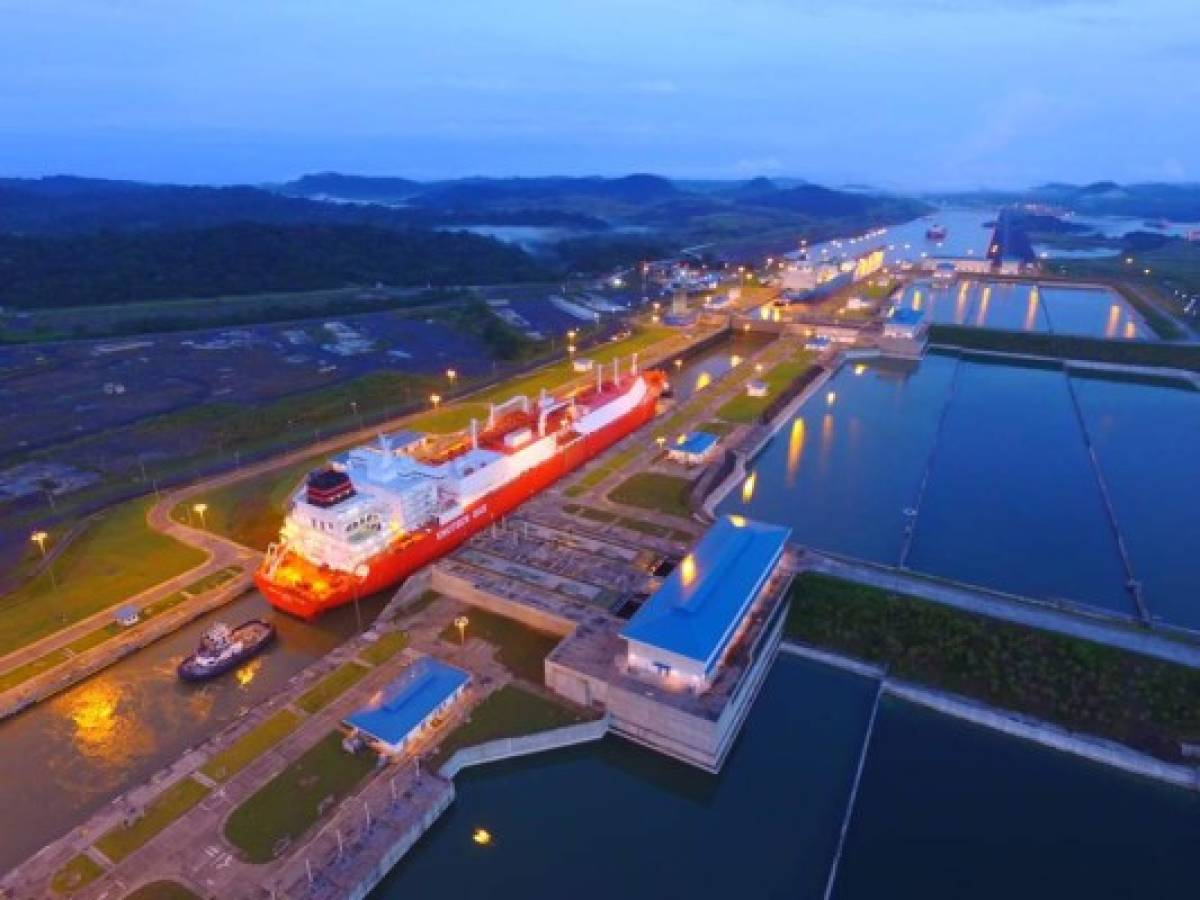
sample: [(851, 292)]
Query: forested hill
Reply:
[(122, 267)]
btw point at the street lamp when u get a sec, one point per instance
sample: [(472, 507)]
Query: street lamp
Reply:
[(435, 399), (451, 375), (461, 623), (201, 509), (39, 538)]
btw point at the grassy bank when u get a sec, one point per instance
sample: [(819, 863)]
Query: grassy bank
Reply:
[(251, 745), (1084, 686), (520, 649), (117, 557), (654, 491), (744, 408), (295, 799), (162, 890), (332, 686), (510, 712), (158, 814), (1060, 346)]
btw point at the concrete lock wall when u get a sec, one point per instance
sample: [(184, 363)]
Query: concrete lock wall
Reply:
[(508, 748), (461, 589)]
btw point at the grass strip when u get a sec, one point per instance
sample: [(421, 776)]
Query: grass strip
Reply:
[(331, 687), (388, 645), (164, 809), (293, 801), (654, 491), (251, 745), (519, 648), (77, 874)]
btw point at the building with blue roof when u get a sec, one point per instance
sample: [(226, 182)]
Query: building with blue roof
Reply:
[(682, 632), (905, 323), (693, 448), (403, 710)]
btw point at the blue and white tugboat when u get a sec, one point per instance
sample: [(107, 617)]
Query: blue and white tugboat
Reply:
[(223, 648)]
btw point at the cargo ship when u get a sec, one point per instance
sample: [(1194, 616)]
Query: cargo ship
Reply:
[(376, 514)]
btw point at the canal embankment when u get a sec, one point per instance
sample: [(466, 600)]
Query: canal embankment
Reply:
[(1028, 728)]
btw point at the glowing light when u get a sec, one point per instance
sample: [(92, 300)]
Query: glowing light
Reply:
[(1114, 319), (246, 673), (679, 441), (703, 381), (737, 521), (482, 837), (795, 448), (435, 399), (687, 569), (1130, 330), (860, 369), (764, 313), (748, 487), (451, 375), (831, 398), (734, 361)]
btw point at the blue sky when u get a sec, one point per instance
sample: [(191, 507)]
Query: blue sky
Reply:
[(904, 93)]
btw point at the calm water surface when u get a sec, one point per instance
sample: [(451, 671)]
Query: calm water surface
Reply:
[(1011, 501), (1094, 312), (947, 810), (613, 819), (65, 758)]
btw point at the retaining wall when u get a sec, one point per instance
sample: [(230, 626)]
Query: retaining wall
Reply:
[(526, 745)]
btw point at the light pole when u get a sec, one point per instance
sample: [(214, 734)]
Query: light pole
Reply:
[(361, 571), (461, 623), (201, 509), (435, 399), (39, 538), (357, 414), (451, 375)]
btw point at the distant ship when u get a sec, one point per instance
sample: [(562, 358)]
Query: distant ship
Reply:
[(385, 509), (223, 648), (936, 232)]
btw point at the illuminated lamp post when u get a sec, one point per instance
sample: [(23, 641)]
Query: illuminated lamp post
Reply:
[(435, 399), (451, 374), (461, 623), (200, 509)]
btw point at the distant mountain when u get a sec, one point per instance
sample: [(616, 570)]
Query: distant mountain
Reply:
[(352, 187), (1178, 202), (69, 205)]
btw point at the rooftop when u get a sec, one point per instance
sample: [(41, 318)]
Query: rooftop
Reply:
[(696, 443), (700, 604), (907, 316), (408, 701)]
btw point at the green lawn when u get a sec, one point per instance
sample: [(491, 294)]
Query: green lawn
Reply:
[(331, 687), (116, 557), (520, 649), (161, 812), (744, 408), (162, 890), (389, 644), (295, 799), (75, 875), (511, 711), (251, 745), (655, 491), (1089, 687), (14, 677)]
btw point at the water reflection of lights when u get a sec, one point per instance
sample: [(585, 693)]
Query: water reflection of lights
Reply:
[(1031, 310), (860, 369), (983, 305), (100, 730), (1114, 319), (795, 449), (703, 381), (916, 300), (748, 487), (1130, 329), (831, 398), (246, 673)]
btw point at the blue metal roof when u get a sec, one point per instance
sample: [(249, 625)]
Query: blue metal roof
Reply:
[(907, 316), (696, 443), (698, 607), (408, 701)]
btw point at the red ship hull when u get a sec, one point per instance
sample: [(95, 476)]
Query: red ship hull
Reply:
[(421, 548)]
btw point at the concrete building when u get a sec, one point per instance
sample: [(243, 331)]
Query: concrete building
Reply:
[(682, 674), (409, 705), (693, 449), (682, 631), (905, 332)]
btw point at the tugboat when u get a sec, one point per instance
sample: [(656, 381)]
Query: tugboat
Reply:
[(223, 648)]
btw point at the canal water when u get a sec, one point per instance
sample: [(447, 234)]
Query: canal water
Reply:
[(944, 810), (705, 369), (1092, 312), (66, 757), (1010, 499)]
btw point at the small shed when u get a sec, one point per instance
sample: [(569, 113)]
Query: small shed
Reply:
[(693, 449)]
